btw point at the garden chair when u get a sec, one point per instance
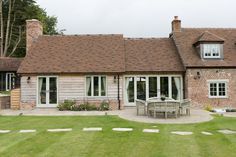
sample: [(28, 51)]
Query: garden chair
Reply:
[(140, 106), (185, 107)]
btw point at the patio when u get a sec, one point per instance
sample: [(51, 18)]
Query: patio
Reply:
[(197, 115)]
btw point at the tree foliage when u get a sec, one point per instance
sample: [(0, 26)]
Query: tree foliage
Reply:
[(14, 16)]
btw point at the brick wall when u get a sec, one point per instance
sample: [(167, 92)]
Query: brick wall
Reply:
[(196, 89)]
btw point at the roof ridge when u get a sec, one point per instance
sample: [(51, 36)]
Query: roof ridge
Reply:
[(146, 38), (79, 35), (223, 28)]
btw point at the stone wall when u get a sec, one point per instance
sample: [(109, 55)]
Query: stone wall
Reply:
[(196, 88)]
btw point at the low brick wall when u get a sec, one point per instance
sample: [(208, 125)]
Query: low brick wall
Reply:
[(5, 102)]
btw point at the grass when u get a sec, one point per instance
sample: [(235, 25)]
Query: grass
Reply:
[(110, 143)]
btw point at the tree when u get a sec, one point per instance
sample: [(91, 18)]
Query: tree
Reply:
[(13, 14)]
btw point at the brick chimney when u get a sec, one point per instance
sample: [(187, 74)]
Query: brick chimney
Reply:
[(176, 24), (34, 29)]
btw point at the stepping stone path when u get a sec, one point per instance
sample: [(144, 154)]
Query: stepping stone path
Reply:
[(92, 129), (59, 130), (151, 130), (4, 131), (206, 133), (122, 129), (182, 133), (227, 131), (27, 131)]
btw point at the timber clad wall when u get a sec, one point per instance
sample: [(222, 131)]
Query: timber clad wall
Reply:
[(197, 89), (71, 88)]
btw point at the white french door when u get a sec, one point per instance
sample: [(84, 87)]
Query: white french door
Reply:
[(47, 93), (144, 87)]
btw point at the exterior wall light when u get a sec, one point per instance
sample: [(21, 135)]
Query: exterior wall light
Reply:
[(28, 80), (198, 76)]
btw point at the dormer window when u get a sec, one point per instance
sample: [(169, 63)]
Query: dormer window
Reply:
[(211, 50), (209, 46)]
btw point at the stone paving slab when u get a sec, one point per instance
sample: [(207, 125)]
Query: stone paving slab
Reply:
[(92, 129), (197, 115), (206, 133), (122, 129), (4, 131), (151, 130), (182, 132), (226, 131), (27, 131), (59, 130)]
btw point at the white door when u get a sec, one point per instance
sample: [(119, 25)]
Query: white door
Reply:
[(47, 91)]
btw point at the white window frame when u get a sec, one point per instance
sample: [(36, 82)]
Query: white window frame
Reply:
[(217, 88), (10, 77), (47, 90), (211, 53), (92, 85)]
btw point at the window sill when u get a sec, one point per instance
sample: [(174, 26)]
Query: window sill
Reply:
[(218, 97)]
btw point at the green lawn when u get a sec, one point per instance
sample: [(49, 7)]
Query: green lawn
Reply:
[(110, 143)]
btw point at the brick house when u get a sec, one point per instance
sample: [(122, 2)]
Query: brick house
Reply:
[(194, 63)]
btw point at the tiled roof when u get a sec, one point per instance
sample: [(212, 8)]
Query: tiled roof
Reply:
[(75, 54), (185, 39), (207, 36), (9, 64), (152, 55)]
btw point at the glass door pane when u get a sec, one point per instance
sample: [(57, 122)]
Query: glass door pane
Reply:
[(152, 87), (52, 90), (129, 85), (141, 88), (42, 90), (164, 82), (176, 88)]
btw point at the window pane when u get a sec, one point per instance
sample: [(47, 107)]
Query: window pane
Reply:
[(95, 86), (152, 87), (141, 88), (103, 86), (175, 88), (129, 85), (222, 89), (88, 86), (213, 89), (164, 86)]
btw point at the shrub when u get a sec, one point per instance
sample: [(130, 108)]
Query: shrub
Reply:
[(87, 107), (230, 110), (104, 106), (66, 105), (209, 108)]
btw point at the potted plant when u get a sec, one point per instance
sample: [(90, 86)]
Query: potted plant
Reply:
[(163, 98)]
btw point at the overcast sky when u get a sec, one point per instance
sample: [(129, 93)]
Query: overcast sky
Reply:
[(138, 18)]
